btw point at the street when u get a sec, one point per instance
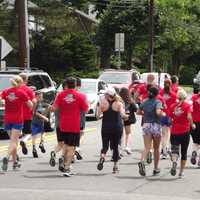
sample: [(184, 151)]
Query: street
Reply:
[(37, 180)]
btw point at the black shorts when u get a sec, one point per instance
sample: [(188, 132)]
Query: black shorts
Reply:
[(58, 134), (27, 127), (196, 134), (71, 139)]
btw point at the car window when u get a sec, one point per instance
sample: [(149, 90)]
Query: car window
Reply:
[(5, 82), (116, 78), (36, 81), (100, 86), (46, 81)]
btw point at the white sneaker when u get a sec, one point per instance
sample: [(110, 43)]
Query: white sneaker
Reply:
[(128, 150)]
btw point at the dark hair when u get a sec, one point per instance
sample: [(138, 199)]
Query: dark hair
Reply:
[(174, 79), (78, 82), (125, 95), (167, 84), (70, 82), (153, 92)]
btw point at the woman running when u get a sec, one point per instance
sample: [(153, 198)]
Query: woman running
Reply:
[(169, 99), (130, 109), (112, 126), (14, 99), (181, 117), (151, 111), (196, 132)]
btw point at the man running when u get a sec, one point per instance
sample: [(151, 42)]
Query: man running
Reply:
[(27, 113), (69, 103)]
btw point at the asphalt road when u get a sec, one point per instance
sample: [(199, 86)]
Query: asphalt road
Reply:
[(37, 180)]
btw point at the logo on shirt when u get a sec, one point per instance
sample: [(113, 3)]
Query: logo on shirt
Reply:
[(178, 111), (69, 98), (12, 97)]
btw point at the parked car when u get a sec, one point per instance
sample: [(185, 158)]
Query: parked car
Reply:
[(159, 77), (37, 79), (92, 88), (118, 78), (196, 83)]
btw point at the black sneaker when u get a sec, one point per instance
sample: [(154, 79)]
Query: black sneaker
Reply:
[(52, 160), (100, 164), (78, 155), (61, 165), (24, 148), (16, 165), (4, 164), (35, 154), (149, 157), (41, 146), (194, 158), (142, 170), (156, 172), (173, 169)]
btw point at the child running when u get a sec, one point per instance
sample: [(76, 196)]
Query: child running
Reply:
[(37, 127)]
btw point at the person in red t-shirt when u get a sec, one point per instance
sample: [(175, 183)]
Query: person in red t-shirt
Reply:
[(181, 116), (14, 99), (27, 113), (170, 98), (174, 85), (69, 103), (196, 132)]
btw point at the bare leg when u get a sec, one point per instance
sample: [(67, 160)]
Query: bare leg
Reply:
[(156, 145)]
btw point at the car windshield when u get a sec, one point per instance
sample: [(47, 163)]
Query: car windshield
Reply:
[(88, 87), (116, 78), (5, 82)]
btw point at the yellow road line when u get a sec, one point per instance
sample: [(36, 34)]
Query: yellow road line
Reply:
[(48, 138)]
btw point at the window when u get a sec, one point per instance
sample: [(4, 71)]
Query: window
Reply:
[(36, 81), (46, 80)]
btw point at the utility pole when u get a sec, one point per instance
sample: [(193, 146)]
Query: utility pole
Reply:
[(151, 35), (23, 34)]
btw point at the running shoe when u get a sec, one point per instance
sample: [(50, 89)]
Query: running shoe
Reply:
[(115, 170), (52, 160), (67, 173), (41, 146), (142, 170), (16, 165), (149, 157), (181, 175), (61, 165), (156, 172), (78, 155), (194, 158), (4, 164), (173, 169), (34, 152), (24, 148), (128, 150), (100, 164), (164, 156)]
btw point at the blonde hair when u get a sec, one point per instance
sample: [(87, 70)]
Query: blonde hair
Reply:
[(182, 94), (16, 81)]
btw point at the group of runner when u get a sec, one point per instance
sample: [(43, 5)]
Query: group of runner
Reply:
[(168, 119)]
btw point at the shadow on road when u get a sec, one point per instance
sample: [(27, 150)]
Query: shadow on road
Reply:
[(94, 174), (47, 176), (41, 171)]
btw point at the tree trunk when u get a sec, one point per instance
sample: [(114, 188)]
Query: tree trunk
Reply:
[(176, 62), (104, 59)]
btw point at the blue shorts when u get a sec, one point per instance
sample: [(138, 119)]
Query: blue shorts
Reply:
[(37, 129), (165, 121), (10, 126)]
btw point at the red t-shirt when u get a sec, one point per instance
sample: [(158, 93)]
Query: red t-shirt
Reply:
[(143, 92), (27, 112), (14, 98), (70, 103), (196, 107), (174, 87), (178, 114), (169, 100)]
